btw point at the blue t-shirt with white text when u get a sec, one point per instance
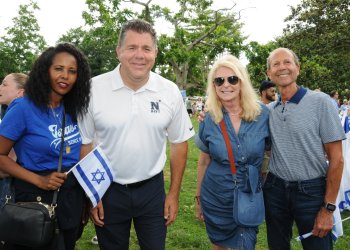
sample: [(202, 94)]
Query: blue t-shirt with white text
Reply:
[(37, 135)]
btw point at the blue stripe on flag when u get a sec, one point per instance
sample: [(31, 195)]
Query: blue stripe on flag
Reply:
[(334, 235), (88, 183), (104, 164), (346, 125)]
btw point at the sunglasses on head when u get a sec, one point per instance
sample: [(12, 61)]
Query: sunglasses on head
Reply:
[(233, 80)]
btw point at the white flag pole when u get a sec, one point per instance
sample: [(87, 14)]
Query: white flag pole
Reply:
[(304, 236)]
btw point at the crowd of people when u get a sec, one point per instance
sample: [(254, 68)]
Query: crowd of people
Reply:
[(288, 146), (194, 105)]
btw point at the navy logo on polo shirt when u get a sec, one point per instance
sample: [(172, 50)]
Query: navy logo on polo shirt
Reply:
[(155, 107)]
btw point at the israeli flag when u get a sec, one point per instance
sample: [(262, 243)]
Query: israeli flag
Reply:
[(337, 229), (94, 174)]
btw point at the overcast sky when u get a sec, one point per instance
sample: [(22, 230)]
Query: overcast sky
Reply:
[(263, 18)]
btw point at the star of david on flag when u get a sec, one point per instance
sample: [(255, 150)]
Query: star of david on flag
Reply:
[(94, 174)]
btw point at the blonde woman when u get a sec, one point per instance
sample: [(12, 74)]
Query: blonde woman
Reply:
[(11, 88), (231, 98)]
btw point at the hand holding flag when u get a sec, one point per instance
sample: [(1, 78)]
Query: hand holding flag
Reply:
[(94, 174), (335, 235)]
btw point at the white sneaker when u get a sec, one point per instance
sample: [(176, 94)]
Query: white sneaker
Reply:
[(94, 240)]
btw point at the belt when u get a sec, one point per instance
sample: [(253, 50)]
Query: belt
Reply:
[(141, 183), (286, 184)]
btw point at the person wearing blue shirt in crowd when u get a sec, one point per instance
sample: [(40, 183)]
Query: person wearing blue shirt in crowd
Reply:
[(335, 98), (345, 106), (231, 98), (58, 86), (11, 88)]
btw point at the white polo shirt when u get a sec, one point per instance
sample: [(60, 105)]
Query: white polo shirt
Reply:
[(133, 126)]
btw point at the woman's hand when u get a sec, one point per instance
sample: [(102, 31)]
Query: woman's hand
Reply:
[(52, 181), (198, 209)]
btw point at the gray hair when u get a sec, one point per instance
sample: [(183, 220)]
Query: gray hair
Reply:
[(295, 57)]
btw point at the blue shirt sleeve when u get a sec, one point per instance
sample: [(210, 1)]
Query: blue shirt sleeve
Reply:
[(13, 124)]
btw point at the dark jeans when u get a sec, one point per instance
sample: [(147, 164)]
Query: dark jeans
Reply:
[(142, 204), (299, 201)]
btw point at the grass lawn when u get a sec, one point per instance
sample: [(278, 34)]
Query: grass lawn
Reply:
[(187, 232)]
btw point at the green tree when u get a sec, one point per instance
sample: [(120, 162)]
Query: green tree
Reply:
[(319, 34), (97, 44), (199, 35), (98, 38), (256, 55), (22, 42)]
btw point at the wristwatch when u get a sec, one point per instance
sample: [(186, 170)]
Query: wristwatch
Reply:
[(329, 206)]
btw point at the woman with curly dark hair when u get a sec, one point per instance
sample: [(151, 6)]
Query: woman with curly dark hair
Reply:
[(56, 93)]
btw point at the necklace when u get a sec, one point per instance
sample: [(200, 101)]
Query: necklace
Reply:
[(58, 118)]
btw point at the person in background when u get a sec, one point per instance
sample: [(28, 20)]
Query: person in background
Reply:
[(335, 99), (188, 104), (267, 92), (345, 106), (133, 112), (231, 98), (301, 186), (199, 105), (58, 86), (11, 88)]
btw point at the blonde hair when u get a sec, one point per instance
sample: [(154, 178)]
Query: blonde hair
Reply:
[(20, 79), (248, 97)]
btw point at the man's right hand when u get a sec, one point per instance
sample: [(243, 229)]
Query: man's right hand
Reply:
[(97, 214)]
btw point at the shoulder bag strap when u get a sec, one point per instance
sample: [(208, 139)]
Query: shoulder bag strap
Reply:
[(59, 168), (228, 146)]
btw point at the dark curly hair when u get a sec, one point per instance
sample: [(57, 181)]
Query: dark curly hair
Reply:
[(38, 87)]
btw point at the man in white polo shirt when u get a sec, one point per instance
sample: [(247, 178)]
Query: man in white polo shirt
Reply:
[(133, 112)]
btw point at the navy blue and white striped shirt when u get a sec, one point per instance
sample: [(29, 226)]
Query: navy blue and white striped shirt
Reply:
[(299, 129)]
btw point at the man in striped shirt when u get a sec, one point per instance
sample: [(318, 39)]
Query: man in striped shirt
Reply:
[(306, 134)]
